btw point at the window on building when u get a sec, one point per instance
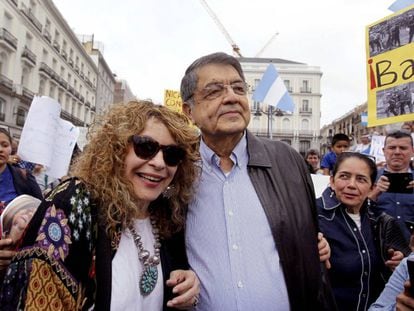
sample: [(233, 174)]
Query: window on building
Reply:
[(33, 6), (54, 64), (47, 25), (2, 109), (304, 145), (42, 86), (305, 105), (305, 124), (29, 40), (62, 71), (287, 84), (25, 79), (8, 21), (73, 107), (69, 78), (286, 124), (3, 62), (52, 90), (45, 56), (20, 116), (79, 111)]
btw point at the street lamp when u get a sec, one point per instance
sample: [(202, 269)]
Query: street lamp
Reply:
[(271, 111)]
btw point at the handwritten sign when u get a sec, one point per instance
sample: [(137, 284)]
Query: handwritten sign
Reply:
[(172, 100), (47, 139)]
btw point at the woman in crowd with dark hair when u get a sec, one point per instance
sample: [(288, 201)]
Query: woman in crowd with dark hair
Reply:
[(358, 268), (14, 181), (111, 238)]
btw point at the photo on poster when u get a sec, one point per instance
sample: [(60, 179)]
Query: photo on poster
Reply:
[(392, 33), (395, 101)]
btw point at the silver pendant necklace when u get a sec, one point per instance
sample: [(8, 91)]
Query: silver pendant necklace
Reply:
[(149, 263)]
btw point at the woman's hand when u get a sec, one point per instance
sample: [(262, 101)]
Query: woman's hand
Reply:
[(324, 250), (395, 259), (186, 286)]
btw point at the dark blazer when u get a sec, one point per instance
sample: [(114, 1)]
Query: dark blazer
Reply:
[(24, 182), (285, 189)]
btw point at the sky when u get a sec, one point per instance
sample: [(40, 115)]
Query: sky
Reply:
[(151, 43)]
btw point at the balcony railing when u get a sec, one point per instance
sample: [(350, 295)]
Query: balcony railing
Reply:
[(305, 90), (7, 37), (46, 69), (305, 111), (6, 82), (47, 35), (56, 46), (289, 89), (71, 62), (27, 54), (29, 14), (14, 2), (27, 93), (64, 54)]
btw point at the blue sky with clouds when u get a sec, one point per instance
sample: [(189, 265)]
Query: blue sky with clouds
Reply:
[(150, 43)]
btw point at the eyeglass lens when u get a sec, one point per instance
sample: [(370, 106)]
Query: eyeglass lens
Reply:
[(146, 148)]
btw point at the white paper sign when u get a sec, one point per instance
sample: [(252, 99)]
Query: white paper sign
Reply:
[(47, 139), (377, 143), (320, 183)]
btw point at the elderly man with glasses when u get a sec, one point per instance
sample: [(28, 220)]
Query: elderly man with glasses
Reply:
[(251, 232)]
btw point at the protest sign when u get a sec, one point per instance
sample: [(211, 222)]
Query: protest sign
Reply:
[(172, 100), (47, 139), (390, 68)]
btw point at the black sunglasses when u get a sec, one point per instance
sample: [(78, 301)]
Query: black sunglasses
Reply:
[(146, 148)]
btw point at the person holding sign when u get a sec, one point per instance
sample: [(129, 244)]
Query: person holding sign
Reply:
[(394, 189), (110, 238)]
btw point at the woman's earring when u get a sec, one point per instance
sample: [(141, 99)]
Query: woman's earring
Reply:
[(168, 192)]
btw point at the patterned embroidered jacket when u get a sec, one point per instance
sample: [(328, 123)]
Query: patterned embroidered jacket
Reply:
[(57, 268)]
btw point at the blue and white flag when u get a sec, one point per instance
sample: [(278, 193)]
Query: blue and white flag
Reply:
[(272, 91), (400, 4), (364, 119)]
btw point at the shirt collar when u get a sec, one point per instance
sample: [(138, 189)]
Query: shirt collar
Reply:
[(239, 154)]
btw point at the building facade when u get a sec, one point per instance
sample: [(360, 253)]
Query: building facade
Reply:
[(350, 124), (299, 129), (123, 93), (106, 82), (40, 55)]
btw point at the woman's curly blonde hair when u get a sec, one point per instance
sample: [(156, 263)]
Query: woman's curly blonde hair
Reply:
[(101, 166)]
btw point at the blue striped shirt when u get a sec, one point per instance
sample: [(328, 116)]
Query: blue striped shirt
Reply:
[(229, 242)]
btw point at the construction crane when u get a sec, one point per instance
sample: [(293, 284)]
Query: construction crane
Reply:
[(267, 44), (235, 47)]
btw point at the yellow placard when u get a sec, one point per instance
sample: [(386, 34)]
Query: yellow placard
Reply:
[(172, 100), (390, 68)]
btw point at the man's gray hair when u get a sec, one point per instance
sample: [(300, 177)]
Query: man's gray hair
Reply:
[(190, 79)]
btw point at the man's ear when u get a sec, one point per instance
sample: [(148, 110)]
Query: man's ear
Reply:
[(188, 111)]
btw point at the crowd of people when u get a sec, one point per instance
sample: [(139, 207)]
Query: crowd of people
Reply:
[(155, 215)]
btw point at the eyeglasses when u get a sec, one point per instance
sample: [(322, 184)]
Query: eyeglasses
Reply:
[(216, 90), (146, 148)]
